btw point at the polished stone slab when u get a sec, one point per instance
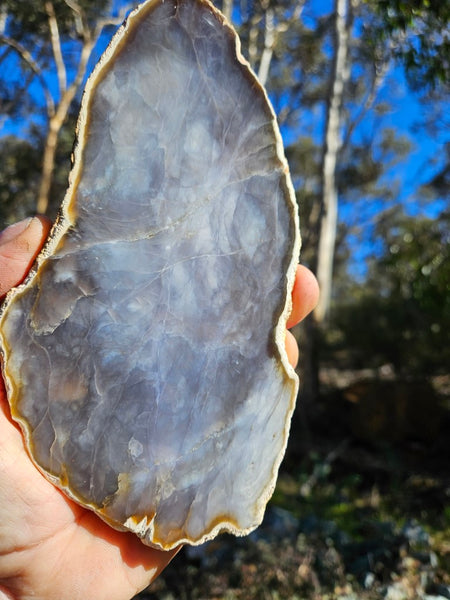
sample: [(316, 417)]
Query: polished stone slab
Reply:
[(144, 356)]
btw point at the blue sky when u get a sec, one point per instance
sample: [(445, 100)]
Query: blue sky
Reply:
[(406, 116)]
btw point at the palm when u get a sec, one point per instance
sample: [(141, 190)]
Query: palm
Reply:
[(51, 548), (51, 539)]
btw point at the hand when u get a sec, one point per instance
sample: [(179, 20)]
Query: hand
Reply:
[(305, 296), (51, 548)]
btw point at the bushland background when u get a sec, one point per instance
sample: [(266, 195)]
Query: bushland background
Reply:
[(361, 90)]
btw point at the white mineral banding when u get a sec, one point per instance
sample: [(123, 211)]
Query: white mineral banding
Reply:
[(144, 355)]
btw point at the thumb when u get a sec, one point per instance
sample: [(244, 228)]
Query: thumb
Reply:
[(19, 245)]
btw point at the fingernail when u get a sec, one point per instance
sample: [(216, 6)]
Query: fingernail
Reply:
[(13, 231)]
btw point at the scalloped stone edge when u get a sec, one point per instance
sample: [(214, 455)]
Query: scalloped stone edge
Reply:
[(144, 529)]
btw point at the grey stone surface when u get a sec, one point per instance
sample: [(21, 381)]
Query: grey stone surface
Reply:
[(145, 359)]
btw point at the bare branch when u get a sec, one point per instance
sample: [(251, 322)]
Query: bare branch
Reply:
[(269, 41), (227, 9), (299, 9), (56, 47), (3, 15), (271, 30), (56, 122), (377, 80), (27, 58), (332, 140), (102, 23), (48, 162), (74, 6), (78, 16), (253, 41)]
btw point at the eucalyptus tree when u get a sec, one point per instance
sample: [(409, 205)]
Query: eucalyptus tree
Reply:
[(323, 66), (45, 49)]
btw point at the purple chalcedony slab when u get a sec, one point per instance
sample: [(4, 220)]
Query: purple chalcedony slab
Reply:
[(144, 356)]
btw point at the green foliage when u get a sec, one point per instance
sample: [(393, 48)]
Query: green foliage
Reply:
[(440, 183), (420, 32), (401, 313), (20, 173), (19, 178), (29, 19)]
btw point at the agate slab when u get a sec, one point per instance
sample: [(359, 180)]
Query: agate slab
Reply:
[(144, 355)]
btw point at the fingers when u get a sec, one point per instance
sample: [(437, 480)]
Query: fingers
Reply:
[(19, 245), (291, 348), (305, 295)]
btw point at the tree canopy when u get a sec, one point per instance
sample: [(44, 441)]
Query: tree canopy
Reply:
[(334, 75), (421, 38)]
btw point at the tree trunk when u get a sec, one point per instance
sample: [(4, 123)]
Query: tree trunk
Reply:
[(329, 204), (269, 41), (48, 164), (56, 122), (323, 218), (227, 9)]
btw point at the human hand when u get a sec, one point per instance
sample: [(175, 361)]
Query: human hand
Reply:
[(305, 296), (51, 548)]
